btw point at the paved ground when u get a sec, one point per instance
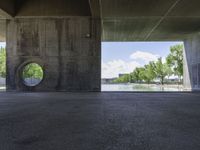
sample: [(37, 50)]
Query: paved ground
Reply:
[(99, 121)]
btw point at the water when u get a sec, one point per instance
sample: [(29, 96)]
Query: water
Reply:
[(140, 87), (132, 87), (2, 88)]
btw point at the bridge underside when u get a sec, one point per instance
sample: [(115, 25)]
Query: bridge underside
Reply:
[(64, 36)]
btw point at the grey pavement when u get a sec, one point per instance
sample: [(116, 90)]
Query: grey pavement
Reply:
[(99, 121)]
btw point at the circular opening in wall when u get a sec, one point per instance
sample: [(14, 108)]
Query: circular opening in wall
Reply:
[(32, 74)]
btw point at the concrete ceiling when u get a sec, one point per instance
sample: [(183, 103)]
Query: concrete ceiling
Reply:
[(26, 8), (122, 20), (149, 20), (53, 8)]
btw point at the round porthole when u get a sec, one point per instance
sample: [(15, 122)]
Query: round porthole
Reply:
[(32, 74)]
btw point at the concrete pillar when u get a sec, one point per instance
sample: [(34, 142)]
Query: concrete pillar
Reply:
[(192, 63), (68, 49)]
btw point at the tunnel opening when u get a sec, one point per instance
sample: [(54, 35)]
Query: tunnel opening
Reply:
[(142, 66)]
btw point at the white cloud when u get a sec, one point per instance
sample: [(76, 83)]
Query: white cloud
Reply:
[(144, 56), (113, 68)]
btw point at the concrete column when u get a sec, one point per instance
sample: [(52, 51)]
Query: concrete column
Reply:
[(68, 49), (192, 63)]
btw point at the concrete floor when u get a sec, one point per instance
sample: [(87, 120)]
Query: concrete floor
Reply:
[(99, 121)]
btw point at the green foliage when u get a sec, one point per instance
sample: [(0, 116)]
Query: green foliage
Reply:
[(157, 69), (123, 79), (142, 74), (161, 70), (175, 60), (33, 70), (136, 75), (149, 73), (2, 62)]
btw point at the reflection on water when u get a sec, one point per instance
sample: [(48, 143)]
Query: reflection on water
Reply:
[(2, 88), (133, 87), (140, 87)]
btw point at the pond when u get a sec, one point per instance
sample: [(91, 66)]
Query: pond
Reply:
[(141, 87)]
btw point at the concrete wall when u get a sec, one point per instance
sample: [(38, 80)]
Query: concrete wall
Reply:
[(192, 63), (2, 30), (68, 49)]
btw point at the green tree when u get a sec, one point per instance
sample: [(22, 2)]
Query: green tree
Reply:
[(135, 75), (149, 72), (2, 62), (175, 60), (123, 79), (169, 70), (142, 74), (33, 70), (161, 70)]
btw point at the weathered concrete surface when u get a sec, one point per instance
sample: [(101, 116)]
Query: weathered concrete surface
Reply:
[(53, 8), (192, 63), (68, 49), (99, 121), (2, 30)]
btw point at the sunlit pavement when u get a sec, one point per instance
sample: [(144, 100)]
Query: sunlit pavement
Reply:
[(99, 121)]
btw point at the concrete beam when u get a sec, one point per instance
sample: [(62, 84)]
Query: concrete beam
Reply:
[(95, 6), (2, 30), (45, 8), (7, 9), (192, 63), (145, 20)]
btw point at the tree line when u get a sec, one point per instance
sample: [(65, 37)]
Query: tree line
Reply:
[(173, 65)]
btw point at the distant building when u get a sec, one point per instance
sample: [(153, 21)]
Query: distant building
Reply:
[(121, 75), (107, 81)]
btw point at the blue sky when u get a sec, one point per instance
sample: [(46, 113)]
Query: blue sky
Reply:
[(2, 44), (123, 57)]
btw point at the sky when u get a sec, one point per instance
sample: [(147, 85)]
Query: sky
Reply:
[(2, 44), (124, 57)]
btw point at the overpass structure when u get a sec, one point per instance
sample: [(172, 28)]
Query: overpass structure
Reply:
[(64, 37)]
